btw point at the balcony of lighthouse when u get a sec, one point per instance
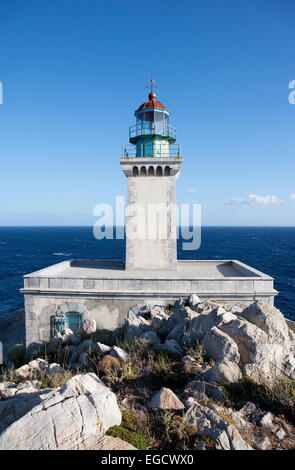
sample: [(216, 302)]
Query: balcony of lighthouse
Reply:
[(151, 150)]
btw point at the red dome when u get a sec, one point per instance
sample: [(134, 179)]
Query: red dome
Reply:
[(152, 103)]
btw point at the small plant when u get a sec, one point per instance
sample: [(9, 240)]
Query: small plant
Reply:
[(196, 352), (129, 431), (54, 380)]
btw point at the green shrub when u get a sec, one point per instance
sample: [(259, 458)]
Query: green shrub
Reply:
[(129, 431)]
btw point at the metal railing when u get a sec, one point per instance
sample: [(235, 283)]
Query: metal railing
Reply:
[(73, 321), (152, 128), (147, 151)]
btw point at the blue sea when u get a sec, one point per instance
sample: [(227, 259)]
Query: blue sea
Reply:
[(27, 249)]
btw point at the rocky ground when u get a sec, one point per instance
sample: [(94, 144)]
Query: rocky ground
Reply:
[(196, 375)]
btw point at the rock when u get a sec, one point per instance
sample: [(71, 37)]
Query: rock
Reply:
[(263, 443), (88, 327), (269, 319), (208, 423), (187, 358), (175, 325), (138, 309), (54, 368), (119, 354), (134, 326), (266, 420), (193, 301), (165, 399), (102, 349), (159, 321), (170, 346), (32, 369), (83, 359), (107, 363), (151, 338), (7, 390), (67, 332), (179, 303), (112, 443), (205, 389), (219, 346), (68, 418), (157, 310), (87, 345), (225, 371), (280, 433), (248, 410)]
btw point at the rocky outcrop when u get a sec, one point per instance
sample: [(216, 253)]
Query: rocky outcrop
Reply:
[(67, 418), (165, 399)]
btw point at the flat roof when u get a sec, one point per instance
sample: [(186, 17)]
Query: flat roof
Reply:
[(186, 269)]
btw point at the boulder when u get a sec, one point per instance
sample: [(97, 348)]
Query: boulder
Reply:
[(54, 368), (170, 346), (156, 310), (66, 419), (208, 423), (151, 338), (193, 301), (111, 443), (88, 327), (197, 388), (159, 321), (165, 399), (266, 420), (32, 369), (225, 371), (176, 323), (134, 325), (119, 354), (219, 346), (102, 349)]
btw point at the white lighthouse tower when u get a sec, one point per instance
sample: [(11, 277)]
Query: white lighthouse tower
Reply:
[(152, 164)]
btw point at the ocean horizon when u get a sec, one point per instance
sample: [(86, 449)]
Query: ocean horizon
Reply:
[(25, 249)]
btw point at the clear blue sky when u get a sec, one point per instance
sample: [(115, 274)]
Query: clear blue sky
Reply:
[(74, 71)]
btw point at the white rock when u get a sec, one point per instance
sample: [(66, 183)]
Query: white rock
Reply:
[(225, 371), (111, 443), (102, 349), (54, 368), (208, 423), (119, 354), (219, 346), (165, 399), (280, 433), (88, 326), (193, 301), (157, 310), (134, 325), (66, 419), (266, 420)]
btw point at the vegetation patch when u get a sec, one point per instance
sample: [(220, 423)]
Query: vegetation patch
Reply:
[(129, 431)]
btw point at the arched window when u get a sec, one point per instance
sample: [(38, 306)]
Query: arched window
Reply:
[(151, 171), (167, 171), (143, 171), (159, 171), (71, 320), (135, 171)]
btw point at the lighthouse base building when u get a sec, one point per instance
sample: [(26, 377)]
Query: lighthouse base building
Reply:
[(64, 294)]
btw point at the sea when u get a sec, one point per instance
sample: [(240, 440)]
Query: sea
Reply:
[(26, 249)]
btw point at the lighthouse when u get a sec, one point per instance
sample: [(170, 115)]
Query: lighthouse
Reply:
[(152, 162)]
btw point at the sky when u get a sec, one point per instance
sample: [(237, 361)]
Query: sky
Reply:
[(74, 71)]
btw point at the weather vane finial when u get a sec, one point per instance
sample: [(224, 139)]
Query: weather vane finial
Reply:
[(152, 84)]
